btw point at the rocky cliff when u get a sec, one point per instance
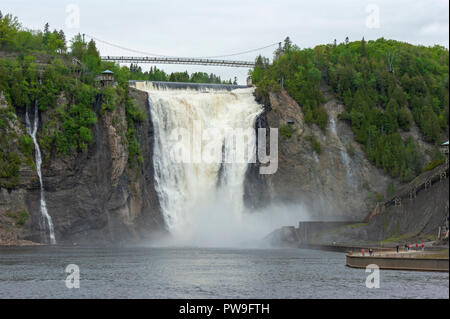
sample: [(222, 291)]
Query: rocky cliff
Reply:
[(93, 196), (337, 182), (324, 170), (415, 218), (96, 196)]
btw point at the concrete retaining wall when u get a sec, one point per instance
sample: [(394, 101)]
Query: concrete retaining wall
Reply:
[(399, 263), (306, 230), (342, 248)]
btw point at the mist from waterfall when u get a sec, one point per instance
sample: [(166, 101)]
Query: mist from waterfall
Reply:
[(203, 202), (46, 220)]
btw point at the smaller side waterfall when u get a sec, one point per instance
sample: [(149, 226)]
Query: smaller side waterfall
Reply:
[(46, 220), (346, 161)]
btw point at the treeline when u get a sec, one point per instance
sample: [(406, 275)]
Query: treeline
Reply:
[(41, 65), (385, 85), (38, 66), (294, 70), (155, 74)]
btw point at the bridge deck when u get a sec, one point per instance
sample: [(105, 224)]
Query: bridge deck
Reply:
[(169, 60)]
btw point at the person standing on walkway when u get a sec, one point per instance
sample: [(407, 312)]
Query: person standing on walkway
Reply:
[(423, 247), (397, 248), (362, 251), (417, 247)]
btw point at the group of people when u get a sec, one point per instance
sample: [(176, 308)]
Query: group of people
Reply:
[(408, 247), (370, 252)]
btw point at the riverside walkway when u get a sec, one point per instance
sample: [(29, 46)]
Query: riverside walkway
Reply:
[(403, 260), (410, 191)]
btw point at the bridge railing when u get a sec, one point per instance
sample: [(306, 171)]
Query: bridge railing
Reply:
[(174, 60)]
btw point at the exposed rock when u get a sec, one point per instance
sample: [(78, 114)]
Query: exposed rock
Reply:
[(333, 183), (117, 142), (11, 203), (3, 102), (416, 219), (96, 197), (93, 197)]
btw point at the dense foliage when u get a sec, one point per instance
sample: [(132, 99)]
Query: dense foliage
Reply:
[(296, 71), (386, 87), (41, 67), (155, 74), (10, 154)]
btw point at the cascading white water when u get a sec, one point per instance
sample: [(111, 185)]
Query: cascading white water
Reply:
[(344, 156), (191, 191), (46, 220)]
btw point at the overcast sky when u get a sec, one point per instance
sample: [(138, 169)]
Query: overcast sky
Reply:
[(209, 28)]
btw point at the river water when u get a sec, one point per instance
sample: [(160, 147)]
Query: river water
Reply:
[(39, 272)]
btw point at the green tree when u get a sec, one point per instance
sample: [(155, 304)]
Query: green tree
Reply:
[(9, 26), (78, 47)]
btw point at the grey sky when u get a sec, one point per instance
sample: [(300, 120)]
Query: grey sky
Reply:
[(209, 28)]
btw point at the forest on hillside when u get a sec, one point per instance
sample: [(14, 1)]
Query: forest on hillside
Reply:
[(385, 86), (41, 65)]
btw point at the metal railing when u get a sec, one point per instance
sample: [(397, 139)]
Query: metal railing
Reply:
[(169, 60)]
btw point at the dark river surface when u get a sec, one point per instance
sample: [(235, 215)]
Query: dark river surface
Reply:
[(39, 272)]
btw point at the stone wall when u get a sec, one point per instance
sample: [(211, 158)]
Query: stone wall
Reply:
[(399, 263)]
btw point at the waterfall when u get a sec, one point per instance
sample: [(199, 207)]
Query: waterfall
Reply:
[(198, 189), (346, 161), (46, 220)]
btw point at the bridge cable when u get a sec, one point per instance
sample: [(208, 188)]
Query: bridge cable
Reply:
[(168, 56), (240, 53)]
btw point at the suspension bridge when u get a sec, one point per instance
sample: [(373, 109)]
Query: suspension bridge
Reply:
[(153, 58), (174, 60)]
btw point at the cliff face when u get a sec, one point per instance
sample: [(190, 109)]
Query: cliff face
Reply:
[(415, 219), (340, 183), (337, 182), (94, 196)]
